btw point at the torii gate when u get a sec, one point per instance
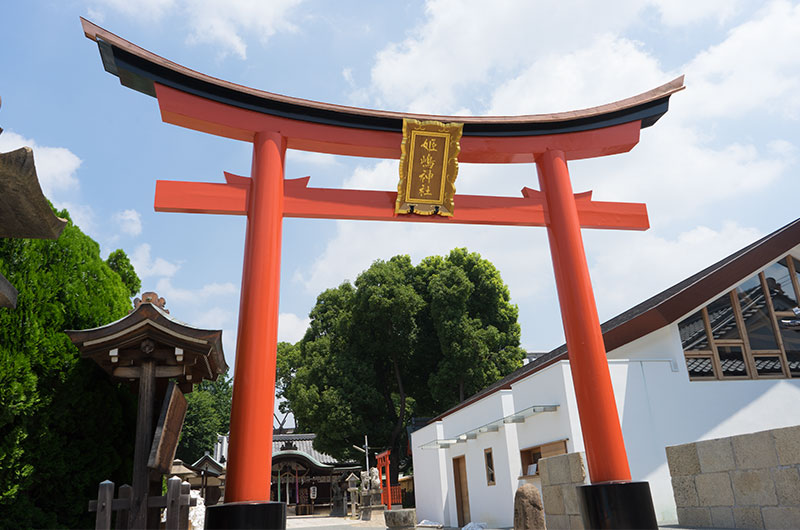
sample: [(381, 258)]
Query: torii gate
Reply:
[(274, 123)]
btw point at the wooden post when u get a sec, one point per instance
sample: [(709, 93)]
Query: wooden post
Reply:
[(105, 495), (125, 494), (186, 489), (173, 503), (144, 438)]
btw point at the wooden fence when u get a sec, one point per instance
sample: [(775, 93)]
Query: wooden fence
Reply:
[(177, 502), (397, 495)]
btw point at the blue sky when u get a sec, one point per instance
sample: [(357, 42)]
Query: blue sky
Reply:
[(717, 172)]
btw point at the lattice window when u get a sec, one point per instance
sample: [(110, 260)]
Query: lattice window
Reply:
[(751, 332)]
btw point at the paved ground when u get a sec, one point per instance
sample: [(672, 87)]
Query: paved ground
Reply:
[(341, 523), (337, 523), (320, 522)]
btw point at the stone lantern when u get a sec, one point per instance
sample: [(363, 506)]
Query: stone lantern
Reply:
[(352, 487)]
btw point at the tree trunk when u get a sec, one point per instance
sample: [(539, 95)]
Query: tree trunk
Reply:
[(398, 428)]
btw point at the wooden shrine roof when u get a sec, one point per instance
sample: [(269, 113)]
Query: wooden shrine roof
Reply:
[(180, 349), (24, 210), (300, 447), (142, 70)]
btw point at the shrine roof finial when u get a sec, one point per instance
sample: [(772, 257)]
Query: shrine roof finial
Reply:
[(150, 297)]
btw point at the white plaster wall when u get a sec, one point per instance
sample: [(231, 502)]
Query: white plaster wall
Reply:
[(474, 415), (450, 517), (488, 504), (493, 504), (430, 479), (685, 411), (644, 430), (659, 345), (547, 387), (658, 406)]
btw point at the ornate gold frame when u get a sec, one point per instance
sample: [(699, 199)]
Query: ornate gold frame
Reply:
[(412, 131)]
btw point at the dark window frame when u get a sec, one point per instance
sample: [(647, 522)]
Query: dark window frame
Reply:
[(750, 357), (488, 462)]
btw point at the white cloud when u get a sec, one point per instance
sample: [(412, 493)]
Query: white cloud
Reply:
[(460, 47), (223, 24), (683, 12), (678, 166), (213, 318), (347, 74), (680, 173), (95, 15), (147, 10), (382, 176), (82, 216), (146, 266), (165, 288), (756, 68), (291, 327), (55, 166), (630, 268), (129, 221), (516, 252), (307, 157), (608, 69)]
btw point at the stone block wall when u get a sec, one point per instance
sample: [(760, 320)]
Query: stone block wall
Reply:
[(560, 475), (746, 481)]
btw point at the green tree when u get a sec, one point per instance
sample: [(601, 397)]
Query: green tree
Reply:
[(403, 340), (286, 365), (475, 323), (208, 414), (64, 426), (118, 262)]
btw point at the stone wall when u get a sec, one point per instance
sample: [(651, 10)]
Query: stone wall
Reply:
[(560, 475), (746, 481)]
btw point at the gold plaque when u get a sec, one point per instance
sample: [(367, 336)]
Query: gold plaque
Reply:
[(428, 167)]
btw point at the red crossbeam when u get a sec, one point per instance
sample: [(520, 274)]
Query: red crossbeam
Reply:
[(325, 203)]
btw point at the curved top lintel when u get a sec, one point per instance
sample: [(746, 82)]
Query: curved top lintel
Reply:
[(145, 71)]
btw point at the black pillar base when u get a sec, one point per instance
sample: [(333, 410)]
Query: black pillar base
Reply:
[(266, 515), (617, 505)]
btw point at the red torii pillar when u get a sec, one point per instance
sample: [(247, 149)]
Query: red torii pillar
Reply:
[(383, 464), (273, 123), (257, 337)]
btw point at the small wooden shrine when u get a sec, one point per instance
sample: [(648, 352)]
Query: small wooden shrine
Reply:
[(166, 357)]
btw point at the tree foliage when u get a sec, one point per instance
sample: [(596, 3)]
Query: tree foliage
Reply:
[(64, 426), (118, 262), (208, 414), (400, 341)]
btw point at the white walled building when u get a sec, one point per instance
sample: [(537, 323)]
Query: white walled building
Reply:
[(715, 355)]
